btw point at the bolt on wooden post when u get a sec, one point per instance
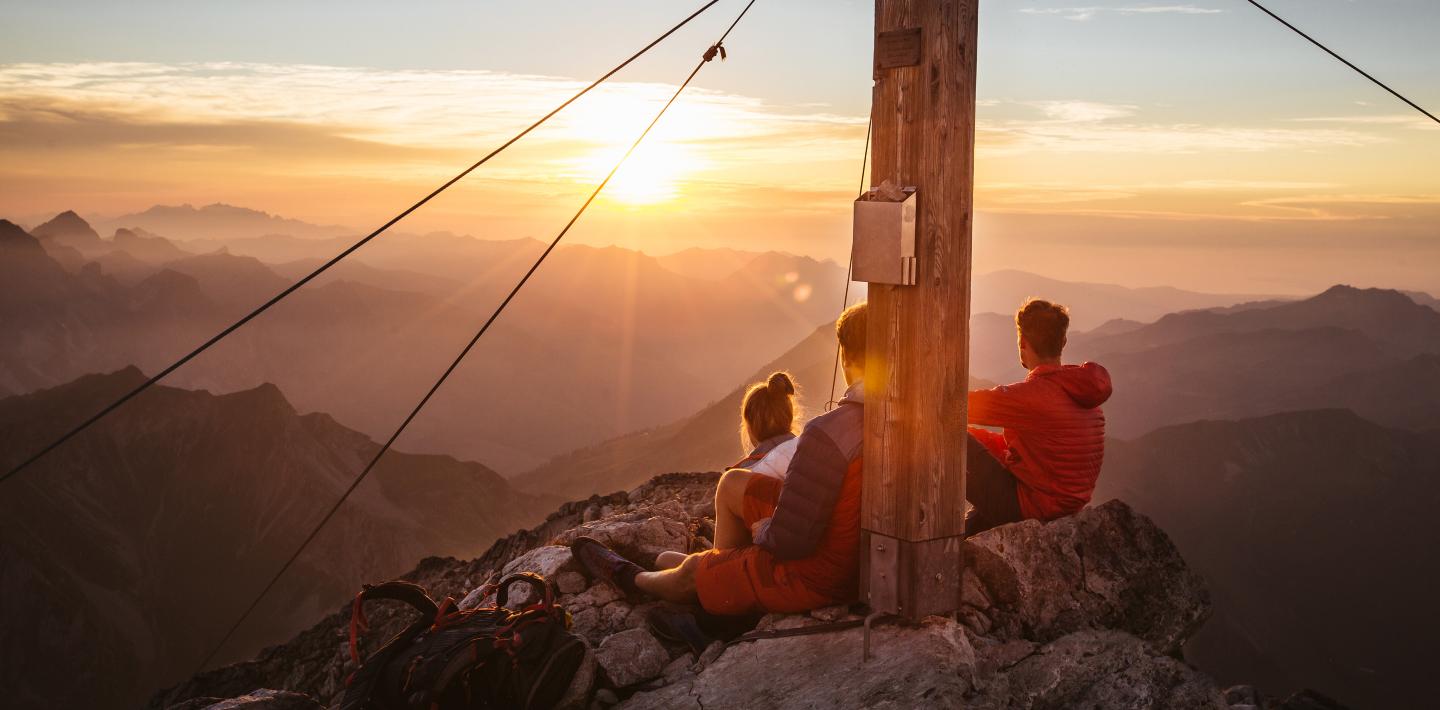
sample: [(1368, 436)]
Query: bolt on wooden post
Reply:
[(917, 365)]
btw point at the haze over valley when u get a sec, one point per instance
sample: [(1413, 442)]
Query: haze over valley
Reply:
[(615, 365)]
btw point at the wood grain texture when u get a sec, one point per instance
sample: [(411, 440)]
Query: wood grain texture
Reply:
[(918, 341)]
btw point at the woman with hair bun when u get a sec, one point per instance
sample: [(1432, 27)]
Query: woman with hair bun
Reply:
[(767, 425)]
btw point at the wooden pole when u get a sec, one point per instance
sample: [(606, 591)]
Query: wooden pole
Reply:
[(917, 366)]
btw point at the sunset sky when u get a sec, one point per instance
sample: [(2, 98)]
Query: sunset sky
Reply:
[(1197, 144)]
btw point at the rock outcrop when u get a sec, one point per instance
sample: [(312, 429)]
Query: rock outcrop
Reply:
[(1106, 568), (1088, 611)]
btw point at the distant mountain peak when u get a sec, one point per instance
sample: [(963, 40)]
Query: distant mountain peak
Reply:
[(127, 377), (68, 227), (147, 246), (1350, 292), (11, 235), (129, 373), (1340, 291), (265, 397), (68, 218)]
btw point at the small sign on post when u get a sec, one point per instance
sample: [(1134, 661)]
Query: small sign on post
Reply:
[(898, 48)]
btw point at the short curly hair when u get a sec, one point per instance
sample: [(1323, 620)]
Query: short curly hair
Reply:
[(850, 330), (1043, 324)]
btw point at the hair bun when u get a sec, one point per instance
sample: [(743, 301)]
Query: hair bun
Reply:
[(781, 383)]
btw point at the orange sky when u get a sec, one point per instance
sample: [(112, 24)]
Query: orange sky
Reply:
[(1135, 190)]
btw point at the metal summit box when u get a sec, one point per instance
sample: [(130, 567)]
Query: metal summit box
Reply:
[(884, 240)]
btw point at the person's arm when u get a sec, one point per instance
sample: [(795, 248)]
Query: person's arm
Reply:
[(1003, 406), (812, 488), (994, 442)]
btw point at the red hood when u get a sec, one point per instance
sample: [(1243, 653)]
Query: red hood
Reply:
[(1088, 384)]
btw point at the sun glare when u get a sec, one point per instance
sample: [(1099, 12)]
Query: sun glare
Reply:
[(650, 176), (656, 171)]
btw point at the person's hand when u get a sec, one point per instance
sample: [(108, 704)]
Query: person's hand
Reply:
[(755, 529)]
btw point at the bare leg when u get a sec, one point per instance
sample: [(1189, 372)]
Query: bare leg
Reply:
[(730, 528), (672, 585), (669, 559)]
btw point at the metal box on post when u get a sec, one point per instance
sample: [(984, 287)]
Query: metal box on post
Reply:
[(884, 237)]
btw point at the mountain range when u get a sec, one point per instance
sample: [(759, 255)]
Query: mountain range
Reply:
[(1091, 304), (129, 551), (627, 341), (591, 323), (221, 221), (1373, 351), (1315, 531), (1345, 347), (708, 440), (631, 342), (614, 365)]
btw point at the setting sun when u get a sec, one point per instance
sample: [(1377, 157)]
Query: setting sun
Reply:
[(650, 176)]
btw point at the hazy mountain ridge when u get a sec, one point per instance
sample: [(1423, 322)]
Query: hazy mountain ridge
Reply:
[(141, 539), (69, 230), (705, 441), (1386, 316), (1401, 395), (1091, 304), (590, 321), (62, 325), (1273, 357), (1315, 532), (220, 220), (1424, 299), (629, 343), (1305, 354)]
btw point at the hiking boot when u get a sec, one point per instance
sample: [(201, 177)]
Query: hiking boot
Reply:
[(606, 565), (678, 625)]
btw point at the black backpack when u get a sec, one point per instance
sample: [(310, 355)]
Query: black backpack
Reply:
[(489, 657)]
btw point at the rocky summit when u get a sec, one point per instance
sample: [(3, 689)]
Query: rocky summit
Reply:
[(1087, 611)]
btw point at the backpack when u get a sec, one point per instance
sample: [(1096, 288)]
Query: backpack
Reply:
[(488, 657)]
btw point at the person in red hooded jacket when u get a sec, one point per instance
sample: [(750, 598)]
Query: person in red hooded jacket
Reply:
[(1045, 463)]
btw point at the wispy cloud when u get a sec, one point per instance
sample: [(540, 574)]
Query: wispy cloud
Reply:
[(416, 111), (1081, 14), (135, 134), (1401, 120), (1153, 198), (1083, 111), (1070, 126), (1349, 207)]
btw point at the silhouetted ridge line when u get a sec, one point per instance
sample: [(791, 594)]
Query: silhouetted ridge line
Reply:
[(709, 54), (1345, 61), (349, 250)]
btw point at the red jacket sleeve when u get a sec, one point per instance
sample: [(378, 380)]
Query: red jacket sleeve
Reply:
[(1002, 406)]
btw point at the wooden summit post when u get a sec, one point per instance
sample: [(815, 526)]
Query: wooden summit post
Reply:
[(917, 365)]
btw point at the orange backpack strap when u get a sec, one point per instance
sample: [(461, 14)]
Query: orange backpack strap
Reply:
[(547, 592), (398, 590)]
